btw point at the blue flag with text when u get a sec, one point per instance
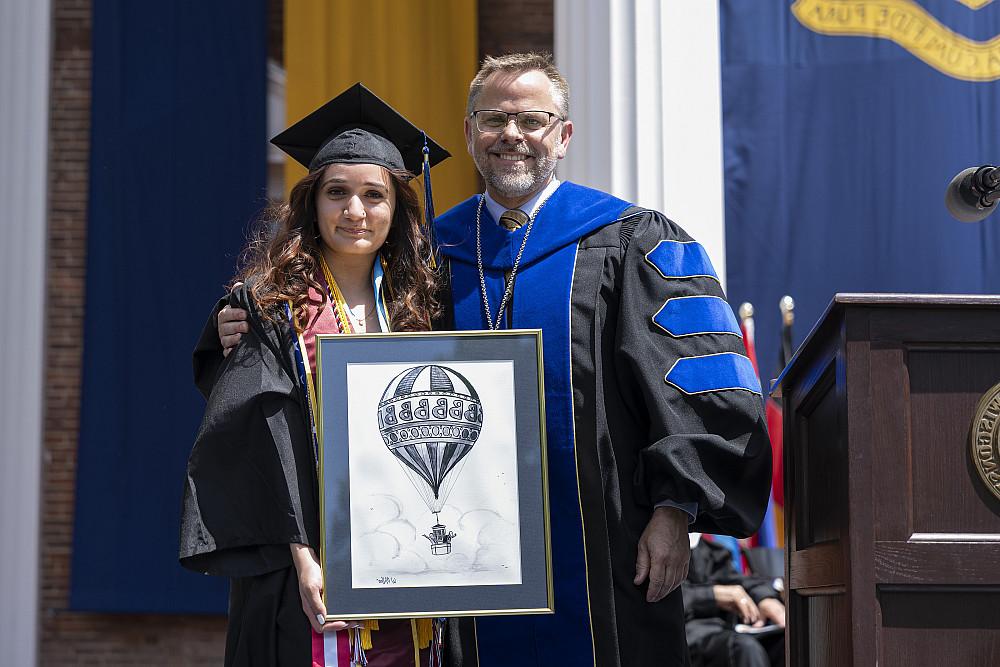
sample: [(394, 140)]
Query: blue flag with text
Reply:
[(844, 121)]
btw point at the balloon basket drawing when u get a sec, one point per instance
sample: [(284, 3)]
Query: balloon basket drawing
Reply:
[(440, 539)]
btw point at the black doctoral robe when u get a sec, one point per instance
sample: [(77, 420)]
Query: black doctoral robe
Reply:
[(650, 399), (252, 490)]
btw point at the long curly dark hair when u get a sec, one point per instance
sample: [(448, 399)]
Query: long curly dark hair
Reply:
[(281, 260)]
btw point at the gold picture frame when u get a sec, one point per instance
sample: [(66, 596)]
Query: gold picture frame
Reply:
[(435, 431)]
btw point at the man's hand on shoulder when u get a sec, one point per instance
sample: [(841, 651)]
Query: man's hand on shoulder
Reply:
[(664, 553), (232, 325)]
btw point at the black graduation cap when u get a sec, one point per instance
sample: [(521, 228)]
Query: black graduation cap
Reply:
[(358, 127)]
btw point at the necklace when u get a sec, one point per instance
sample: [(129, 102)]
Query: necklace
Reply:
[(359, 321), (365, 313), (509, 287)]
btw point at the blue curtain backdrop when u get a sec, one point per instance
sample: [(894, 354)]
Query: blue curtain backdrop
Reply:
[(177, 171), (838, 149)]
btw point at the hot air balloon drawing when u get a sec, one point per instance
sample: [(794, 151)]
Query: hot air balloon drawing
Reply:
[(430, 417)]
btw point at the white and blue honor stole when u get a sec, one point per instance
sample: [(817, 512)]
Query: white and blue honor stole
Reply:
[(378, 274), (302, 366), (699, 315)]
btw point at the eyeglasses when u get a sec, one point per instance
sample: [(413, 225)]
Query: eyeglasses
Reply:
[(494, 120)]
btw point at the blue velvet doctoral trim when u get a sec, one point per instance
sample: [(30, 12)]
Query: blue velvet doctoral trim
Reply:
[(681, 259), (713, 372), (572, 212), (694, 315), (541, 299)]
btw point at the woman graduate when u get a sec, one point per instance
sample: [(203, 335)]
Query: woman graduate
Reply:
[(347, 254)]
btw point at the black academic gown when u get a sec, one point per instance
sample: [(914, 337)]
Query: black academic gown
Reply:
[(626, 430), (251, 484), (252, 490)]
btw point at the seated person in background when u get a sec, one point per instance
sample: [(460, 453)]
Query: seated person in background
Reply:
[(716, 598)]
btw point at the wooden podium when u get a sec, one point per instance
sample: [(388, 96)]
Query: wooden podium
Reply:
[(892, 534)]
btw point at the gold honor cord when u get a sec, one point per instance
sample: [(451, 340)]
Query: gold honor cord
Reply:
[(339, 306), (909, 25), (337, 300)]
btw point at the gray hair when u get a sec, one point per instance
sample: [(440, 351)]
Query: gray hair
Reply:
[(518, 63)]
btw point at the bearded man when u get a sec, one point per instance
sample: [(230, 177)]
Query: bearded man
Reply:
[(653, 412), (654, 417)]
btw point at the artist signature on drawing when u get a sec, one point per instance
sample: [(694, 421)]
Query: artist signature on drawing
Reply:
[(386, 580)]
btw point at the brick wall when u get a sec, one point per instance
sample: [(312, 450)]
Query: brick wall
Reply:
[(69, 638), (515, 26), (276, 31)]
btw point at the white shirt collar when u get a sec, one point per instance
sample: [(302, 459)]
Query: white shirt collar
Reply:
[(530, 207)]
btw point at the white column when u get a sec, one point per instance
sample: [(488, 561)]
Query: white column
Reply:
[(276, 79), (25, 44), (646, 106)]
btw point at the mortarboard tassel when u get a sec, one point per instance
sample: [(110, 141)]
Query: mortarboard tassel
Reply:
[(429, 203)]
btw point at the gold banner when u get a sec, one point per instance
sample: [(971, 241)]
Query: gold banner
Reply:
[(975, 4), (908, 24), (418, 55)]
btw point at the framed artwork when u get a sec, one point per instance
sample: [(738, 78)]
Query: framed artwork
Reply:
[(434, 494)]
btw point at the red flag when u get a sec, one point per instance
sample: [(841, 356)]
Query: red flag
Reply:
[(773, 413), (774, 408), (771, 532)]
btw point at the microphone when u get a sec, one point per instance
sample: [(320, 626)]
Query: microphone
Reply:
[(973, 193)]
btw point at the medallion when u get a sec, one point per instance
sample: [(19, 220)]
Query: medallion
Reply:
[(984, 440)]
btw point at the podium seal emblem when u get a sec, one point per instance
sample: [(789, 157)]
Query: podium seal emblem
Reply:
[(984, 440)]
